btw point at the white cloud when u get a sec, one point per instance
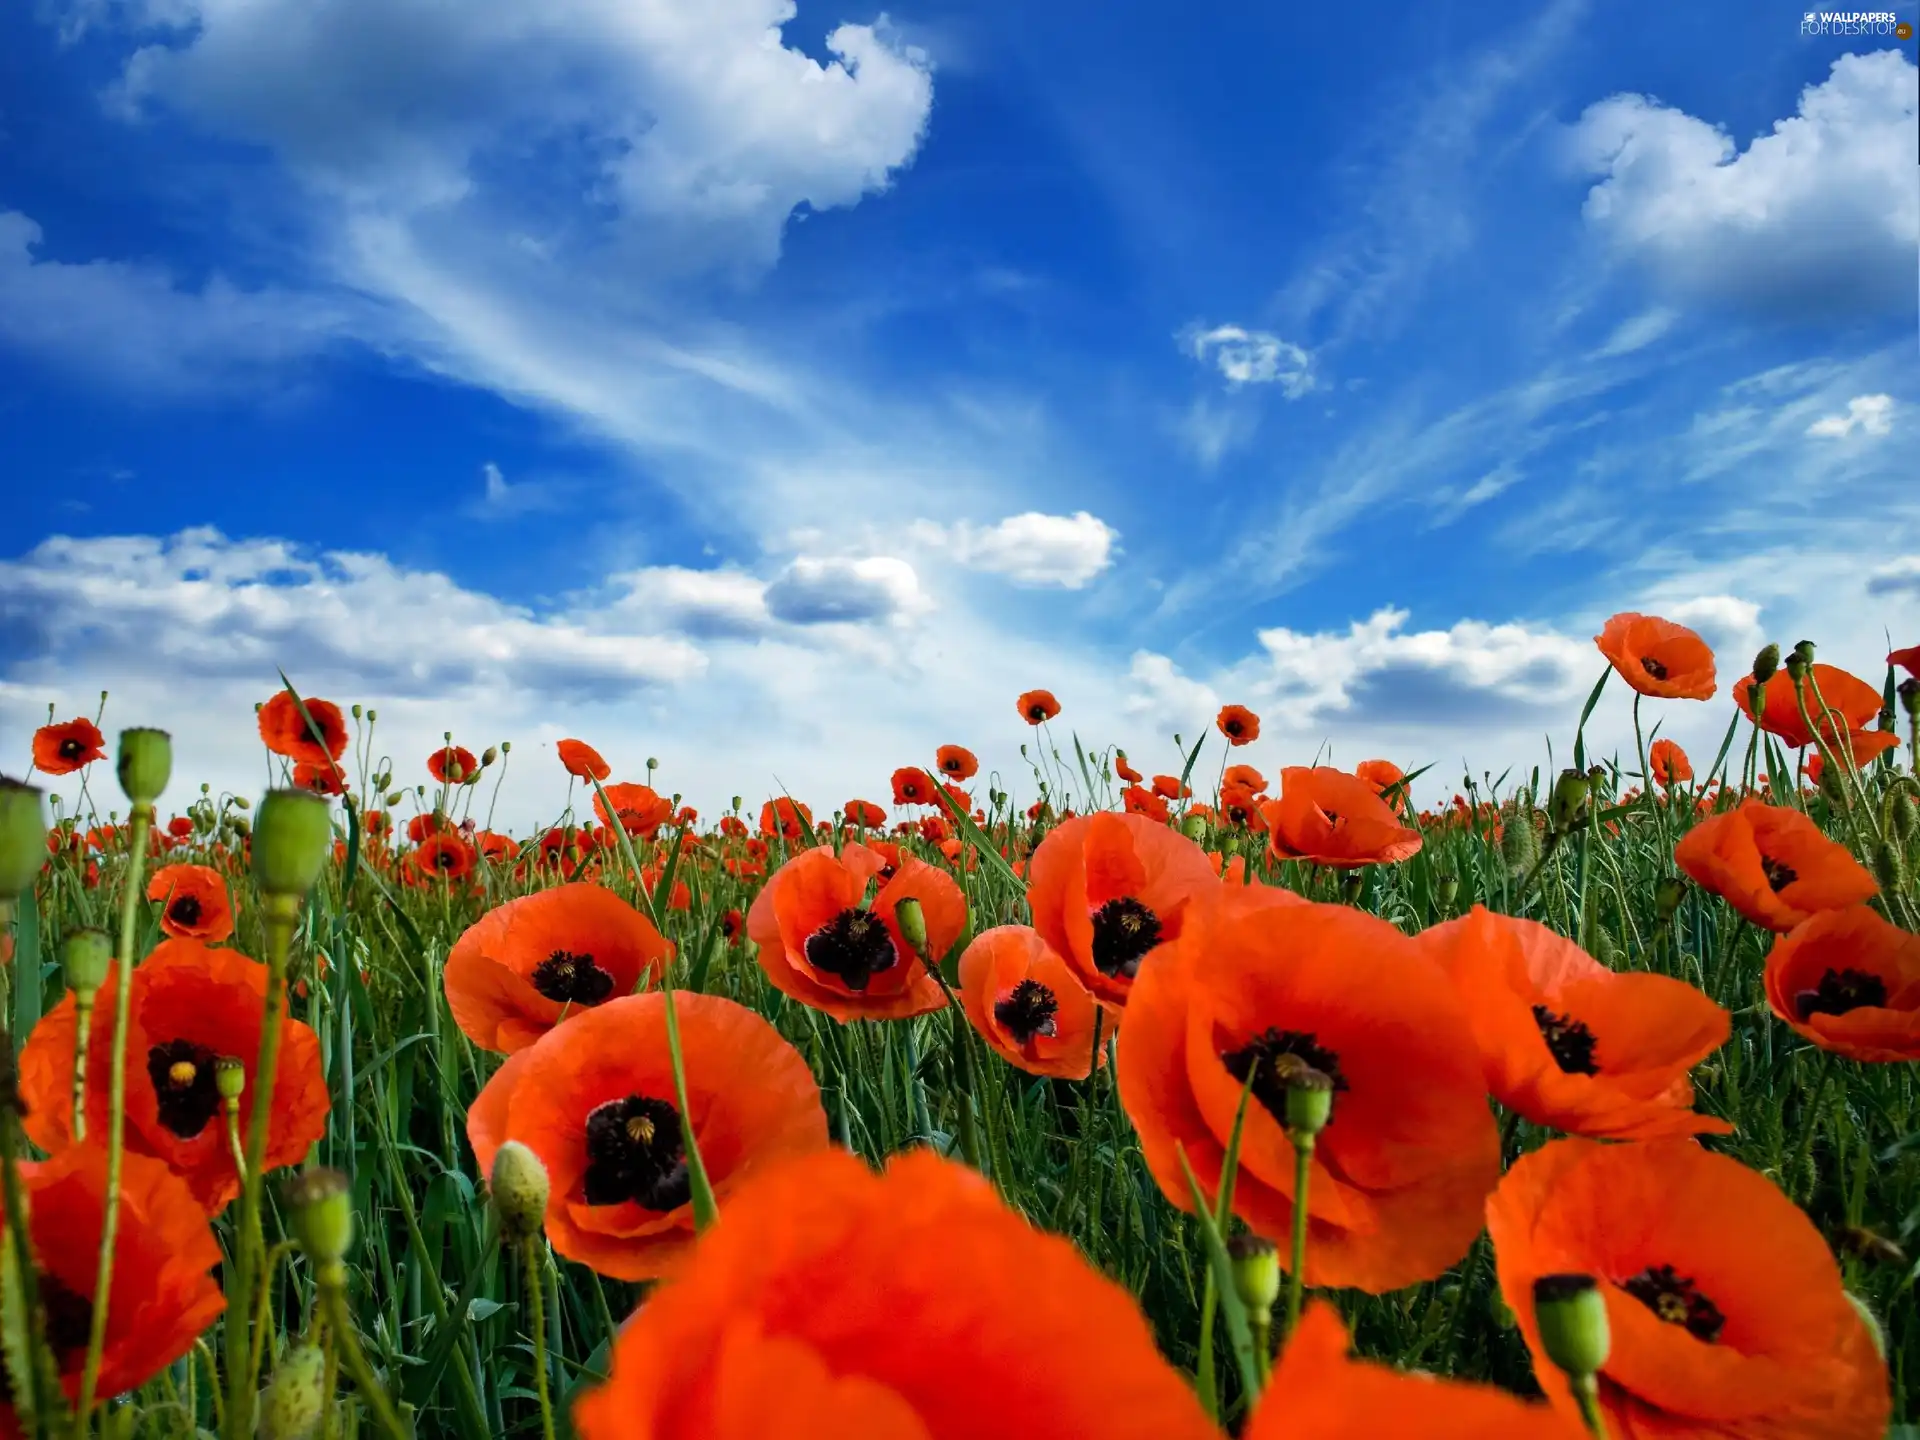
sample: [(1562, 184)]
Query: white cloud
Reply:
[(1723, 621), (1636, 333), (1901, 576), (1160, 693), (1871, 414), (696, 602), (1251, 357), (1029, 549), (1819, 217), (816, 590)]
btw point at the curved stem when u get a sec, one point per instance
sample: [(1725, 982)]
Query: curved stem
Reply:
[(1586, 1394), (530, 1267)]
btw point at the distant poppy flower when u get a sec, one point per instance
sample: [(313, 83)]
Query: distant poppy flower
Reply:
[(1669, 763), (641, 810), (424, 827), (595, 1100), (454, 764), (1125, 771), (793, 1318), (864, 813), (1106, 889), (1239, 724), (1907, 659), (1332, 818), (1852, 704), (1240, 806), (162, 1296), (1849, 982), (820, 945), (327, 779), (933, 830), (1404, 1166), (733, 925), (63, 749), (1145, 803), (912, 786), (285, 731), (582, 761), (1657, 657), (732, 825), (446, 856), (1168, 787), (1569, 1043), (1773, 865), (1038, 706), (786, 817), (1382, 775), (1244, 777), (525, 966), (1027, 1003), (1317, 1389), (1709, 1338), (962, 801), (180, 829), (196, 906), (191, 1005), (957, 761)]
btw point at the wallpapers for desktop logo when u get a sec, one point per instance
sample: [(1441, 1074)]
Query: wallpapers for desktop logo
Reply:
[(1855, 22)]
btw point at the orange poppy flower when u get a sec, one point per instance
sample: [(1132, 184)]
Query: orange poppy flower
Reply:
[(595, 1101), (1726, 1307), (1145, 803), (641, 810), (1333, 818), (1907, 659), (1657, 657), (912, 786), (1239, 724), (285, 731), (1849, 982), (1105, 889), (1404, 1166), (524, 966), (1669, 763), (821, 946), (1168, 787), (1382, 775), (1568, 1042), (163, 1296), (1027, 1003), (1851, 700), (1772, 864), (908, 1306), (63, 749), (1240, 806), (733, 925), (1317, 1389), (191, 1005), (864, 813), (1243, 777), (195, 902), (1038, 706), (454, 763), (786, 817), (957, 761), (446, 856), (327, 779), (1125, 771), (582, 761)]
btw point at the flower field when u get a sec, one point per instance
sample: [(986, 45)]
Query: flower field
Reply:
[(1248, 1098)]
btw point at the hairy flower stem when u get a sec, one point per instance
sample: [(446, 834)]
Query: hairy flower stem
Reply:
[(333, 1301), (1297, 1257), (1586, 1394), (530, 1267), (82, 1037), (140, 822)]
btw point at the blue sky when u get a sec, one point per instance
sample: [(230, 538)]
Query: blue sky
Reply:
[(779, 394)]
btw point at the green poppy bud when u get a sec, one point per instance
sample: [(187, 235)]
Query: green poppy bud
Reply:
[(518, 1188), (230, 1077), (1667, 896), (1568, 800), (1256, 1274), (321, 1205), (1309, 1101), (488, 756), (1519, 841), (146, 764), (291, 842), (1889, 867), (1804, 649), (1572, 1316), (85, 956), (1909, 693), (294, 1404), (23, 836), (1193, 827), (1766, 664), (913, 924)]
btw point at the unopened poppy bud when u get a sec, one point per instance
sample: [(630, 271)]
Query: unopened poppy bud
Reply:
[(1256, 1274), (1193, 827), (1309, 1101), (372, 715), (85, 956), (1833, 787), (1667, 896), (913, 924), (1766, 664), (291, 842), (1903, 815), (23, 836), (240, 802), (239, 825), (1572, 1316), (1909, 693), (230, 1077), (356, 710), (321, 1202), (146, 764), (1569, 798), (506, 747), (1448, 888), (393, 798), (1889, 867), (295, 1402), (518, 1187), (1519, 841), (488, 756)]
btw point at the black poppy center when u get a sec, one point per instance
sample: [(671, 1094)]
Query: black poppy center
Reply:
[(572, 979), (952, 767), (182, 1074), (1675, 1300), (446, 858), (1124, 931), (1333, 818), (71, 749), (1779, 876), (1570, 1041), (1840, 991), (853, 947), (635, 1152), (185, 910), (1238, 814), (1036, 713), (1653, 667), (1272, 1056), (1234, 727), (1028, 1011), (69, 1316)]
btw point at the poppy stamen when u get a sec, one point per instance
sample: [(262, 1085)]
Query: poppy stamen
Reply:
[(184, 1085), (635, 1152), (1779, 876), (1841, 991), (852, 947), (572, 979), (185, 910), (1570, 1041), (1028, 1011), (71, 749), (1272, 1057), (1675, 1300), (1653, 667), (1124, 931)]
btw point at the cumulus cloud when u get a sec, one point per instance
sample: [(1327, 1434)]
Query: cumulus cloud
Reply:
[(832, 590), (1901, 576), (701, 603), (1029, 549), (1818, 217), (1870, 414), (1251, 357)]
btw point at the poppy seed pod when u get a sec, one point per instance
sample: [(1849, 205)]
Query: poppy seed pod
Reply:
[(913, 924), (1256, 1274), (293, 1405), (1804, 649), (229, 1077), (23, 836), (1909, 693), (519, 1188), (1667, 896), (1568, 800), (85, 956), (322, 1220), (506, 747), (1309, 1101), (1797, 666), (1572, 1316), (146, 764), (488, 756), (1766, 664), (1193, 827), (291, 842)]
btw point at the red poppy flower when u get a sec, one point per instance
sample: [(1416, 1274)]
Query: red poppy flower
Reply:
[(1849, 982), (1145, 803), (1852, 702), (1382, 775), (194, 901), (821, 946), (1568, 1042), (285, 730), (1907, 659), (1333, 818), (446, 856), (328, 779), (425, 827), (733, 925), (642, 811), (865, 813), (1038, 706), (782, 816), (933, 830), (1244, 777), (1772, 864), (1242, 807), (1168, 787), (1239, 724), (191, 1005), (1106, 889), (910, 1306), (582, 761), (1657, 657), (162, 1297), (1125, 771), (1402, 1169), (595, 1100), (1027, 1003), (1669, 763), (912, 786), (455, 764), (63, 749), (957, 761), (1726, 1308), (525, 966)]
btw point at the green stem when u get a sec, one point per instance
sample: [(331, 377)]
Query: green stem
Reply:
[(333, 1297), (82, 1037), (530, 1266), (42, 1380), (1297, 1262), (1586, 1394), (1807, 1131)]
